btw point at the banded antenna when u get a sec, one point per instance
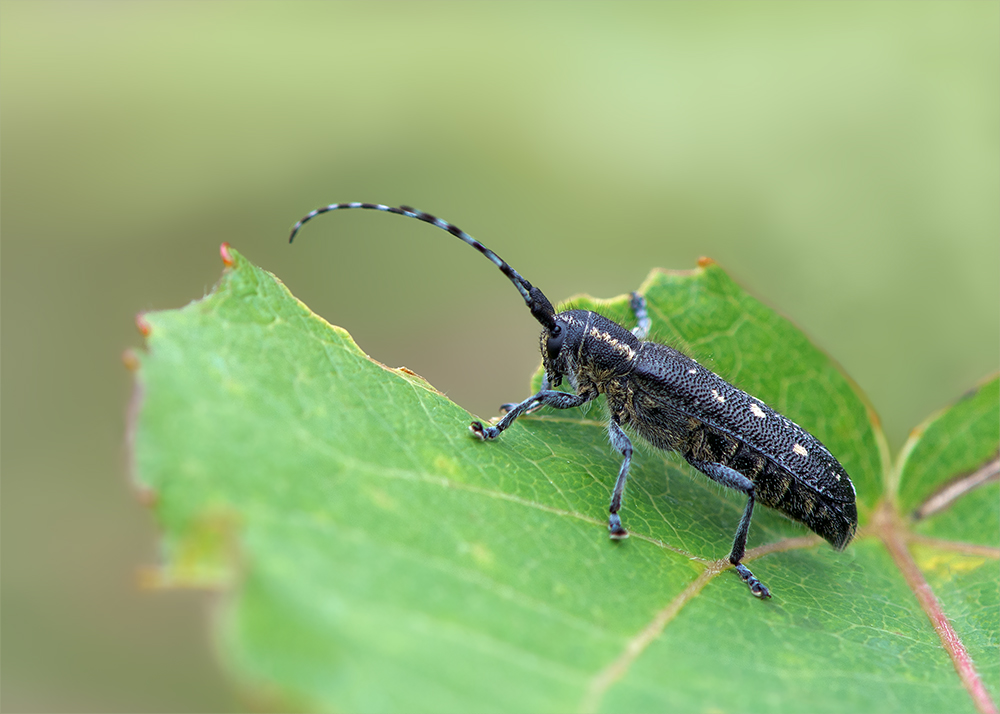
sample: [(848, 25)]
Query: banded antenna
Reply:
[(536, 301)]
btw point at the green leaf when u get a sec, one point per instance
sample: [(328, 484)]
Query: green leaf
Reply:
[(956, 447), (378, 557), (949, 488)]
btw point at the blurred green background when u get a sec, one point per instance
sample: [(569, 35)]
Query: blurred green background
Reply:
[(840, 160)]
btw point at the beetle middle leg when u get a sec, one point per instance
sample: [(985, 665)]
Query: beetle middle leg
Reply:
[(736, 481), (621, 443)]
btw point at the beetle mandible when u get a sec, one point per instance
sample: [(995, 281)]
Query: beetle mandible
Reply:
[(675, 404)]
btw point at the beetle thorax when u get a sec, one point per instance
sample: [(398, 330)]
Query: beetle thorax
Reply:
[(588, 344)]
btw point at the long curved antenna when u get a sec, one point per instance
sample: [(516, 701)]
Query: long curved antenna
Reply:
[(536, 301)]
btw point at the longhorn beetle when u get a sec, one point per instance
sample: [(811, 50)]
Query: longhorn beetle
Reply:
[(675, 404)]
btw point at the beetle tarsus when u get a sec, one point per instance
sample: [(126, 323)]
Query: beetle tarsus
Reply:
[(484, 433), (616, 531), (757, 588)]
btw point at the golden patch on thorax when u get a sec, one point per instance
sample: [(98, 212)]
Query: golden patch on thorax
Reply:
[(616, 345)]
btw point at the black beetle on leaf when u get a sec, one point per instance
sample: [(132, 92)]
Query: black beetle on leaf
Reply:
[(675, 404)]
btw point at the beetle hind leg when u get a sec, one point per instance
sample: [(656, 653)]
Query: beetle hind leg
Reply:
[(735, 480), (757, 588)]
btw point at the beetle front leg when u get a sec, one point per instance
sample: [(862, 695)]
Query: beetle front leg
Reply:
[(544, 398)]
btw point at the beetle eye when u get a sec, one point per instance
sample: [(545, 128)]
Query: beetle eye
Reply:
[(555, 341)]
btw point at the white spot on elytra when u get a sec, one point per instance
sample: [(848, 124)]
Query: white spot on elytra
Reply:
[(718, 397), (800, 450), (757, 411), (837, 476), (692, 371)]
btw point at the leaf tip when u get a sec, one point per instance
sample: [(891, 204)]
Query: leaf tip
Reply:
[(917, 432), (143, 324), (227, 256)]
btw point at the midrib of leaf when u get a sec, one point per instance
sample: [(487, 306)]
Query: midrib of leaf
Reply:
[(893, 534)]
